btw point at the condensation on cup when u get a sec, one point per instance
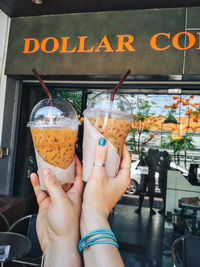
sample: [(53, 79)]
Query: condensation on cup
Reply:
[(54, 129), (111, 120)]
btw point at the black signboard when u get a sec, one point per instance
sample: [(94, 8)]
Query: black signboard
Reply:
[(149, 42)]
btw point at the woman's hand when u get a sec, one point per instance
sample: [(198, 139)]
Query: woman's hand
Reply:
[(102, 192), (100, 196), (59, 211)]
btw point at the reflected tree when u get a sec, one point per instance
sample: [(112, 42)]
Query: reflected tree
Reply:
[(184, 141), (144, 120), (75, 98)]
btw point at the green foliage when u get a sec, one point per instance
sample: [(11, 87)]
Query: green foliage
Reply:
[(142, 153), (178, 145), (75, 98), (185, 143), (141, 126)]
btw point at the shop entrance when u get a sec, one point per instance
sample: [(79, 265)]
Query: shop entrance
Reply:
[(153, 128), (164, 122)]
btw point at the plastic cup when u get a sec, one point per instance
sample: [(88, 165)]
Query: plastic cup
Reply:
[(54, 130), (111, 120)]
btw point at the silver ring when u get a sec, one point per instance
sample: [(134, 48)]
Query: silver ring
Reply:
[(98, 164)]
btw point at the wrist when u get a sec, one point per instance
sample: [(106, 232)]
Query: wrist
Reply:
[(60, 245), (61, 253), (92, 220)]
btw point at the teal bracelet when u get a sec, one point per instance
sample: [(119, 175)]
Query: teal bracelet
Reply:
[(104, 233)]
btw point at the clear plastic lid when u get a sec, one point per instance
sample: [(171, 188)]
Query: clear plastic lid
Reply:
[(55, 113), (101, 105)]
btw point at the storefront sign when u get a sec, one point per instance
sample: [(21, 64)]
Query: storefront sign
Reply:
[(103, 43), (124, 43)]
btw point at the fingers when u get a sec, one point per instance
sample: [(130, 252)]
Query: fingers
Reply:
[(100, 157), (40, 194), (53, 187), (125, 167), (78, 182), (126, 159), (78, 167)]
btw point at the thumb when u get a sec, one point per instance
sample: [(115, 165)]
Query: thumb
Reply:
[(53, 187)]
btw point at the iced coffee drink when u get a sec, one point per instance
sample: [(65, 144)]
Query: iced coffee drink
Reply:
[(113, 129), (110, 121), (56, 146), (54, 129)]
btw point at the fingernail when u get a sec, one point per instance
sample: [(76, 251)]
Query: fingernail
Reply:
[(102, 141), (47, 173)]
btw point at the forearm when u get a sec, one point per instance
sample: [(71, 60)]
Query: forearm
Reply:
[(62, 254), (98, 255)]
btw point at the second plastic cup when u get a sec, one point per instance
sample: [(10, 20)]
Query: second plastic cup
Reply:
[(111, 120), (54, 129)]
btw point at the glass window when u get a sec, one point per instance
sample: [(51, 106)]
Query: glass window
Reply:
[(170, 122), (164, 122)]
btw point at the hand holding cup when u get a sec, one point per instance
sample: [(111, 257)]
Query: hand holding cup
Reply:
[(102, 192), (59, 211)]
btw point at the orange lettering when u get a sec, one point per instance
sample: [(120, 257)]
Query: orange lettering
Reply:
[(199, 40), (153, 41), (104, 43), (27, 45), (82, 45), (191, 43), (127, 44), (44, 43), (64, 46)]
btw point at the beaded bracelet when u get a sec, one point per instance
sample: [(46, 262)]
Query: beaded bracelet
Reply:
[(104, 233)]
